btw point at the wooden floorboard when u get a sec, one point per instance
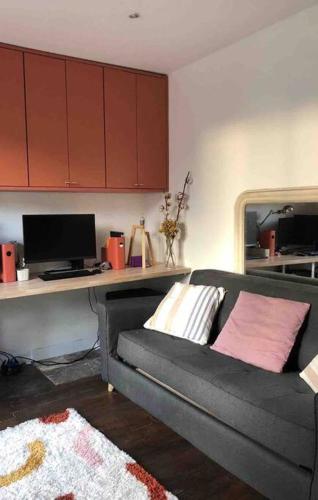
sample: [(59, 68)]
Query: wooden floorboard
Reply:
[(180, 467)]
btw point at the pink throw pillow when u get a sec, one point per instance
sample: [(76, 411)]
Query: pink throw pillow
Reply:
[(261, 330)]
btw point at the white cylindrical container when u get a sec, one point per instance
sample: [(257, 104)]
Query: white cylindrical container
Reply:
[(23, 274)]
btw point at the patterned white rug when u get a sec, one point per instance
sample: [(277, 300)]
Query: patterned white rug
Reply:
[(62, 457)]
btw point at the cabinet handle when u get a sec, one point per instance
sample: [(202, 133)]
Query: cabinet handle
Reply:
[(136, 184), (71, 182), (140, 184)]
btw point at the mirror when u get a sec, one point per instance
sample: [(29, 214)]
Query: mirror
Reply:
[(281, 239)]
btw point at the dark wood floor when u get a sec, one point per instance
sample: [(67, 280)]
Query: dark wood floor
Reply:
[(180, 467)]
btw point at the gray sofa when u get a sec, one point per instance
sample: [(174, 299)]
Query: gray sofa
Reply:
[(261, 426)]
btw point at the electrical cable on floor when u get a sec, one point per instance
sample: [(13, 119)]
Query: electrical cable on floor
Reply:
[(15, 359), (6, 354), (54, 363), (51, 363)]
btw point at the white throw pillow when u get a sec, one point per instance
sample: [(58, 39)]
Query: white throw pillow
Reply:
[(187, 311), (310, 374)]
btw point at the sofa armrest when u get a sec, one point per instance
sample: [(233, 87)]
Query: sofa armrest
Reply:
[(115, 316), (314, 482)]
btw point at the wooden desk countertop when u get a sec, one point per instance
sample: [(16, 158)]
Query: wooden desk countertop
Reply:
[(36, 286), (280, 260)]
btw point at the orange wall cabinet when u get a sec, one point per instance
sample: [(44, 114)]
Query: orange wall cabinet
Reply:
[(68, 124), (13, 152), (85, 114), (136, 118), (46, 121), (120, 128), (152, 131)]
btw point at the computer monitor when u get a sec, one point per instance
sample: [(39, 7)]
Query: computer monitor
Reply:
[(67, 237), (306, 229), (299, 230), (251, 229), (286, 232)]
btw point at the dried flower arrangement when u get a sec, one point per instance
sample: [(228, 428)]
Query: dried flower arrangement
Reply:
[(170, 226)]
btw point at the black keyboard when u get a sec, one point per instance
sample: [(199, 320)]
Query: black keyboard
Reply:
[(68, 274)]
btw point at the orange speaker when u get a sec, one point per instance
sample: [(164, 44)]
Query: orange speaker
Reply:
[(8, 266), (116, 251), (267, 239)]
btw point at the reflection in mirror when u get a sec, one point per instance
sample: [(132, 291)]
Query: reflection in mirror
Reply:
[(281, 240)]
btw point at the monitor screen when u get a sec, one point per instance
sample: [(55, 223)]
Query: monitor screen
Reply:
[(299, 230), (286, 232), (306, 229), (251, 230), (49, 238)]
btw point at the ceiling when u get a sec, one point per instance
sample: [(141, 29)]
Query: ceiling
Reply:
[(169, 33)]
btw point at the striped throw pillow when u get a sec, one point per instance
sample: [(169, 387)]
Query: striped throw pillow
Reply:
[(310, 374), (187, 311)]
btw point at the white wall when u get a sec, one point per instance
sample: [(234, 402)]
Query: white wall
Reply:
[(55, 324), (243, 118)]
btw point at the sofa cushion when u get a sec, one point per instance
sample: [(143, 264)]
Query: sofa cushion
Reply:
[(261, 330), (310, 374), (187, 311), (276, 410)]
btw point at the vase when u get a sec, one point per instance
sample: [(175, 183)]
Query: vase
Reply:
[(170, 256)]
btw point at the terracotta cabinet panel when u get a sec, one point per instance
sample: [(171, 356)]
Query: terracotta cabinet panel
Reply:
[(120, 128), (85, 111), (152, 131), (46, 121), (13, 151)]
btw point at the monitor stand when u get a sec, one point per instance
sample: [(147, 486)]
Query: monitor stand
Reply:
[(75, 265)]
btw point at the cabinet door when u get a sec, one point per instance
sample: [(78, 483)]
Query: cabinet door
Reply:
[(46, 121), (152, 132), (13, 153), (85, 106), (120, 128)]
